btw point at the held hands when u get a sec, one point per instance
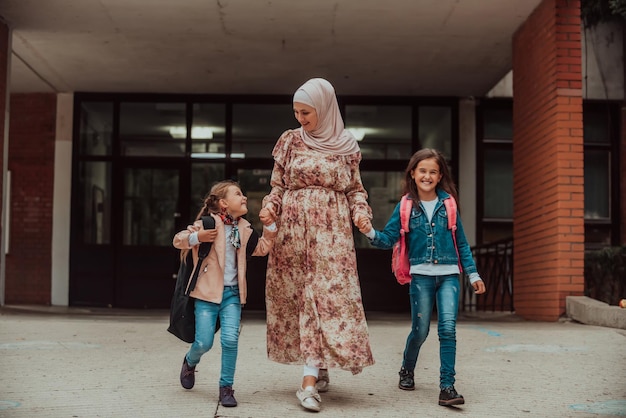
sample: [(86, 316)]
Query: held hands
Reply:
[(267, 215), (479, 287), (363, 223)]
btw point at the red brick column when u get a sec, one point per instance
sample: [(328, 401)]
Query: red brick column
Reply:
[(4, 62), (4, 68), (622, 183), (32, 131), (548, 160)]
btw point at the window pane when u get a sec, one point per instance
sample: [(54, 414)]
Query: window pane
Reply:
[(597, 174), (96, 128), (596, 127), (208, 130), (152, 129), (597, 236), (498, 185), (435, 129), (498, 123), (255, 184), (150, 204), (203, 177), (95, 190), (495, 231), (384, 192), (384, 132), (256, 127)]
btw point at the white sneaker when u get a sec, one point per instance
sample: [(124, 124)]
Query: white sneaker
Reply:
[(323, 381), (309, 398)]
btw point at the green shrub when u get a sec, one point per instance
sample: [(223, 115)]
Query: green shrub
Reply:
[(596, 11)]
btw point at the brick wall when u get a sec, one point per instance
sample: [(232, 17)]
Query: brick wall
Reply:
[(622, 184), (548, 160), (4, 62), (31, 150)]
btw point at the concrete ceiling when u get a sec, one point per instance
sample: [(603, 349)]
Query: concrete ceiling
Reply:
[(365, 47)]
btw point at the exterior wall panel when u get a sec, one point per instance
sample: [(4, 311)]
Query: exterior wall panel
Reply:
[(32, 131)]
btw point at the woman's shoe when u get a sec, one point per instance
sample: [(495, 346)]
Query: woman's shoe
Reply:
[(323, 380), (309, 398)]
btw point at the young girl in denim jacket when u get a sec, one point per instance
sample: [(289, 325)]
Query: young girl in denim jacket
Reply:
[(221, 289), (434, 265)]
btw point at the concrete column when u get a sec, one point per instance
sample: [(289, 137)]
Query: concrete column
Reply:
[(61, 201)]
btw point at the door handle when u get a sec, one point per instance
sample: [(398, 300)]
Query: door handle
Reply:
[(176, 214)]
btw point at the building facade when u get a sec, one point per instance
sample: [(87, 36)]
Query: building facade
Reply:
[(96, 184)]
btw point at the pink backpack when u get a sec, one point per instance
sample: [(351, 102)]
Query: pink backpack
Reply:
[(399, 258)]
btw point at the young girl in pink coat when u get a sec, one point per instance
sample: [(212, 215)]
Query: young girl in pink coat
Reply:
[(221, 289)]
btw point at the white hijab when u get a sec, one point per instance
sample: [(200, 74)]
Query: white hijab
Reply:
[(329, 136)]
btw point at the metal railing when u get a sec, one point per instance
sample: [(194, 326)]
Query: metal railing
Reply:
[(494, 262)]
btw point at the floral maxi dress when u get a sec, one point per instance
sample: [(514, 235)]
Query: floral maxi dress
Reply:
[(314, 308)]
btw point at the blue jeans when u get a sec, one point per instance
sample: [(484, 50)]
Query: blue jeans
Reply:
[(229, 312), (424, 290)]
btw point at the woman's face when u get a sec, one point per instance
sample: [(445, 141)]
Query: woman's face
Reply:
[(306, 116), (235, 202), (426, 176)]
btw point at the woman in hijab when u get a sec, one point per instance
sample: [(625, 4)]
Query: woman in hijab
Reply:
[(315, 314)]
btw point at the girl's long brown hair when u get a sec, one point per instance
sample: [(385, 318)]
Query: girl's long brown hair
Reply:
[(446, 183), (211, 203)]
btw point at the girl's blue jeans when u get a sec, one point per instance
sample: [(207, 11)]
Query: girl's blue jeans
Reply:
[(229, 312), (424, 291)]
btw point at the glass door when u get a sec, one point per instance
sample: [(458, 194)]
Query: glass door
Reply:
[(255, 183), (152, 211)]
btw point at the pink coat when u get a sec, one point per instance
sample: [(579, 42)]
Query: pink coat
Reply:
[(210, 285)]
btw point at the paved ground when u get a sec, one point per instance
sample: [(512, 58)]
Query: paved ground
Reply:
[(60, 362)]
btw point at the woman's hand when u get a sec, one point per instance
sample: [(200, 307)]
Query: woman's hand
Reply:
[(267, 215), (479, 287), (363, 223)]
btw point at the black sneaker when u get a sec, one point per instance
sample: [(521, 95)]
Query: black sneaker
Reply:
[(227, 396), (449, 396), (187, 375), (406, 380)]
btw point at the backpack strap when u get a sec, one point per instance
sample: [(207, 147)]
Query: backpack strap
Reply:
[(405, 214), (207, 223), (451, 209)]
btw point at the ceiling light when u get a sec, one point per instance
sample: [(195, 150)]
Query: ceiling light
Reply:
[(217, 155), (197, 132), (201, 132), (359, 133)]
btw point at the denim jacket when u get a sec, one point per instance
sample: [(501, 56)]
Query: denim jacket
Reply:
[(428, 242)]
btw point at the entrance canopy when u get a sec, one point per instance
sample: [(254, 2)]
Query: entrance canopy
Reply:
[(365, 47)]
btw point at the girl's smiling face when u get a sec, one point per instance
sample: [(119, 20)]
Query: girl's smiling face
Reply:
[(426, 176), (306, 116), (235, 203)]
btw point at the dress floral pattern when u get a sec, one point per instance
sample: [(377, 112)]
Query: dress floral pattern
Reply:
[(314, 308)]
